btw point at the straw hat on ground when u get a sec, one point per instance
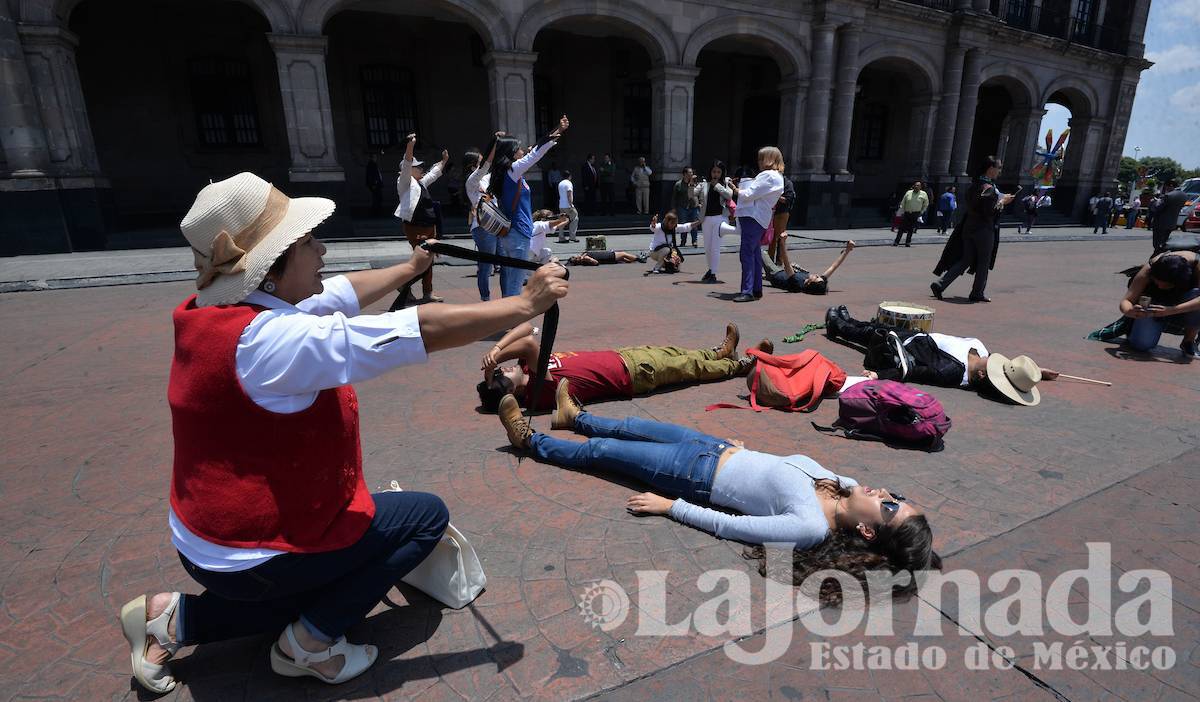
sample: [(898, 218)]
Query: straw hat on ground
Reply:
[(237, 228), (1015, 378)]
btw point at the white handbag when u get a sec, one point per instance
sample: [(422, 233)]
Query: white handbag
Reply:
[(451, 573)]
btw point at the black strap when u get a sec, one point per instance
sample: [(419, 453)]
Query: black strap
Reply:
[(549, 322)]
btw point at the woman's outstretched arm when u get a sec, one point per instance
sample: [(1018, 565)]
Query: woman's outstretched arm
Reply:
[(837, 262)]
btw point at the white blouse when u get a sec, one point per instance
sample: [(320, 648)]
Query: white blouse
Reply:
[(287, 355)]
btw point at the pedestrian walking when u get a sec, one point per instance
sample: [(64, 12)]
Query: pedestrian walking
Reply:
[(1167, 217), (566, 206), (972, 246), (912, 207), (640, 178), (1100, 213), (947, 205)]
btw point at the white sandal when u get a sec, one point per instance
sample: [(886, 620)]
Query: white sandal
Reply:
[(356, 659), (152, 676)]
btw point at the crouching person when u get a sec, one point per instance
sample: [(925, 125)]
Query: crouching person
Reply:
[(269, 511)]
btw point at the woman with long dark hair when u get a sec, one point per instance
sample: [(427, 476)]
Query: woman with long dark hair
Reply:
[(782, 499), (715, 194), (972, 246), (507, 184)]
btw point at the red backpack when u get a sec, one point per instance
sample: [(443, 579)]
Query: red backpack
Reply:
[(795, 383)]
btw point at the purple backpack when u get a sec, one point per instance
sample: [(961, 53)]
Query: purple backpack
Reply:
[(892, 412)]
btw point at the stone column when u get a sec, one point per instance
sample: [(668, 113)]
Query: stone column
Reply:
[(21, 131), (304, 87), (1022, 138), (843, 101), (1071, 10), (965, 120), (816, 117), (791, 121), (54, 77), (922, 110), (510, 91), (672, 91), (943, 138), (1098, 21), (1124, 89)]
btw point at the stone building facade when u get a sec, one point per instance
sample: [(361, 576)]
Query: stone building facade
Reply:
[(114, 113)]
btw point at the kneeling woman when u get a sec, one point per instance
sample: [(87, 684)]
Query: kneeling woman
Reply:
[(269, 510), (783, 499)]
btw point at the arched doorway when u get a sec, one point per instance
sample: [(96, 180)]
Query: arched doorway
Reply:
[(597, 72), (737, 101), (890, 134), (391, 74), (177, 95), (1071, 107)]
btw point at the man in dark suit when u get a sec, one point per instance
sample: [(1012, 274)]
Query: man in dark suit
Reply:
[(948, 361), (589, 180)]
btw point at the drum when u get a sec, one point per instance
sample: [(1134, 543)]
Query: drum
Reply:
[(905, 315), (597, 243)]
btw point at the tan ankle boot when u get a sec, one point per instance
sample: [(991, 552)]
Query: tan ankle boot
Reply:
[(565, 408), (514, 422), (728, 347)]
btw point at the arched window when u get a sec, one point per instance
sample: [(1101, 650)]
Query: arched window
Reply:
[(389, 105), (223, 101)]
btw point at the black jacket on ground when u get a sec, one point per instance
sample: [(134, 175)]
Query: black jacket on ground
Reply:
[(928, 365)]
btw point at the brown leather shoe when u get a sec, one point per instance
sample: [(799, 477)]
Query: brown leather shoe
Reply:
[(565, 408), (766, 346), (728, 348), (514, 422)]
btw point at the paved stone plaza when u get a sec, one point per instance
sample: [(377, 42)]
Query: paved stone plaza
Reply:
[(86, 465)]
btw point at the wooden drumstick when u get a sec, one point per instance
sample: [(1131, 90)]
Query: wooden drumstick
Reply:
[(1085, 380)]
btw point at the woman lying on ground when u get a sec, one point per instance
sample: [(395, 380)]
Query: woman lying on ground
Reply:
[(799, 280), (832, 521), (596, 258)]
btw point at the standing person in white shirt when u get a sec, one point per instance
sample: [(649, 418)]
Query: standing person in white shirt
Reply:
[(476, 184), (269, 510), (416, 209), (566, 206), (640, 177), (755, 209)]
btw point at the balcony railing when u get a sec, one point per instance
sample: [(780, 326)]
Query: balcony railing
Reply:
[(1021, 14)]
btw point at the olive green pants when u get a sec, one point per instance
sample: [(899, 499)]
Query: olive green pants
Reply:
[(652, 367)]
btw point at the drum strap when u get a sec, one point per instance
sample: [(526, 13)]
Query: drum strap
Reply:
[(549, 322)]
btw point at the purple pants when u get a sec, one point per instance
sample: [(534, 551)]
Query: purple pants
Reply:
[(752, 270)]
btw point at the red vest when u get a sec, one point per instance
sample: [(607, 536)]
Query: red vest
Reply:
[(251, 478)]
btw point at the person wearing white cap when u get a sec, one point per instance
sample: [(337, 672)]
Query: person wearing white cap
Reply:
[(416, 209), (269, 511), (893, 353)]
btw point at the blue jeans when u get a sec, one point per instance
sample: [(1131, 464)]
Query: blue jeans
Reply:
[(752, 234), (1147, 330), (691, 214), (672, 459), (511, 279), (328, 591), (484, 243)]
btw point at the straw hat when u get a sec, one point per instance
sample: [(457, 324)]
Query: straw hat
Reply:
[(237, 228), (1015, 378)]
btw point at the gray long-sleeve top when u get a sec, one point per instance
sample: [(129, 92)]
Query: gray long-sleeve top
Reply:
[(775, 495)]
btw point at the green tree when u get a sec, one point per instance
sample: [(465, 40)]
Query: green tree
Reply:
[(1127, 170), (1168, 168)]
